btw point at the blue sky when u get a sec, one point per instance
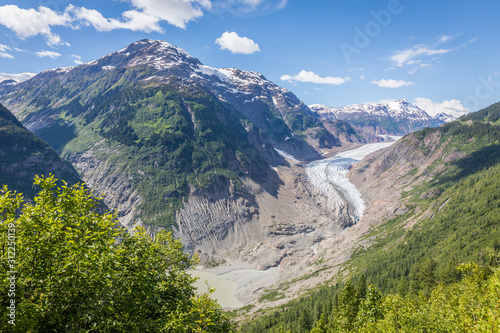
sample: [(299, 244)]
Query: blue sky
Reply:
[(442, 55)]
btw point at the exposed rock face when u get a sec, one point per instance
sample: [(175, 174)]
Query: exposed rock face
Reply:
[(217, 218), (159, 132), (107, 178)]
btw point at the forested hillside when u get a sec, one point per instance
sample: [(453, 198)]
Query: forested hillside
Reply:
[(23, 155), (452, 217)]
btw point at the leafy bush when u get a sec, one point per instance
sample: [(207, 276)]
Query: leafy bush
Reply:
[(66, 268)]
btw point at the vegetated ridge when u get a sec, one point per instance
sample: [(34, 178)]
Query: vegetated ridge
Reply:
[(443, 210), (23, 155), (174, 143)]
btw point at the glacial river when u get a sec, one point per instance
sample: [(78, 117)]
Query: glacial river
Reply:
[(330, 177), (230, 282)]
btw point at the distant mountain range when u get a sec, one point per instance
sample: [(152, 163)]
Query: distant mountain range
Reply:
[(395, 118)]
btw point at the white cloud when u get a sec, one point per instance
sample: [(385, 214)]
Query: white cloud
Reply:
[(452, 107), (232, 42), (6, 55), (416, 54), (4, 48), (133, 20), (30, 22), (444, 38), (175, 12), (50, 54), (392, 83), (407, 57), (145, 16), (308, 76), (77, 59)]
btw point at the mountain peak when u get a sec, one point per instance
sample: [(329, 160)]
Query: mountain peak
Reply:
[(158, 54)]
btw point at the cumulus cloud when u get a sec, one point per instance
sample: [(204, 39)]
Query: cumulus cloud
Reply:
[(144, 16), (232, 42), (132, 20), (175, 12), (31, 22), (452, 107), (392, 83), (308, 76), (50, 54)]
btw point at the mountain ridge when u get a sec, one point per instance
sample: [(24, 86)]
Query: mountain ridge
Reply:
[(399, 117), (165, 137)]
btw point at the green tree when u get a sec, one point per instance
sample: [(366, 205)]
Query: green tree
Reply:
[(361, 287), (78, 271), (344, 315), (370, 308), (423, 277)]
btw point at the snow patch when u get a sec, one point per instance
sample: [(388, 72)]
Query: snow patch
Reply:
[(286, 155)]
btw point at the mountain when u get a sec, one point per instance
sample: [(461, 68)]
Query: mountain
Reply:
[(444, 117), (395, 118), (23, 156), (431, 203), (176, 144), (8, 80)]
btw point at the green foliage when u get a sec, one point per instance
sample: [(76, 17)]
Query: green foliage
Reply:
[(461, 223), (343, 317), (77, 271), (167, 139)]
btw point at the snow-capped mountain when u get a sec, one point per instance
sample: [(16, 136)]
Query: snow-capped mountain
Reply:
[(273, 109), (7, 80), (21, 77), (444, 117), (398, 117), (173, 142)]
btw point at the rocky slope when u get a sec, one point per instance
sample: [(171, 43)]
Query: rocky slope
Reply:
[(177, 144), (23, 155), (395, 118), (430, 196)]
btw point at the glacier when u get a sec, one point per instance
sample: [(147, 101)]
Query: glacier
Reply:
[(329, 176)]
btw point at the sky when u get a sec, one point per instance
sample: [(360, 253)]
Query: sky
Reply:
[(441, 55)]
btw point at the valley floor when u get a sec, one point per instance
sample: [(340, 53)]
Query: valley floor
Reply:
[(317, 203)]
